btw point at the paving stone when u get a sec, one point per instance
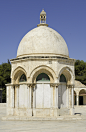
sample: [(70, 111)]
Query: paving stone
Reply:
[(43, 126)]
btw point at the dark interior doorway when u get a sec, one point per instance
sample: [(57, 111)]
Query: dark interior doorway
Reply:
[(75, 101), (0, 96), (80, 100)]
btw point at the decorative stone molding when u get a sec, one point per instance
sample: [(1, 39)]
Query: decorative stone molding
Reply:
[(40, 69), (59, 58), (66, 61), (54, 85), (70, 85), (31, 85)]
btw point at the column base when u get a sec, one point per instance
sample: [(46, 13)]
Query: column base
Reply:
[(71, 111)]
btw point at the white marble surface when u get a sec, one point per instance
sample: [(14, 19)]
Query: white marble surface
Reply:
[(42, 40)]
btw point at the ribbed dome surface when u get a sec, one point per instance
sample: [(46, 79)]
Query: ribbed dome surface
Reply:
[(42, 41)]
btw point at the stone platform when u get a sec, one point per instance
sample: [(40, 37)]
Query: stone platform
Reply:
[(74, 123), (17, 118)]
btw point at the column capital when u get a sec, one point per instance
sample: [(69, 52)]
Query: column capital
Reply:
[(54, 85), (15, 85), (31, 85), (70, 85)]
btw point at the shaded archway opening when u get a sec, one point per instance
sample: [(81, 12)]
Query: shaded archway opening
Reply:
[(17, 73), (42, 77), (23, 78), (62, 92), (62, 78), (66, 71), (82, 97), (48, 73), (74, 98)]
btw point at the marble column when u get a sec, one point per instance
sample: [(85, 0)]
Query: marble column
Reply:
[(67, 97), (77, 99), (54, 95), (51, 96), (27, 96), (72, 97), (16, 96), (54, 102), (57, 96), (12, 96), (34, 96), (30, 93)]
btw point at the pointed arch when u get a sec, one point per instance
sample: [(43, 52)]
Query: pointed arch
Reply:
[(62, 78), (17, 74), (42, 77), (42, 69), (67, 72), (22, 78)]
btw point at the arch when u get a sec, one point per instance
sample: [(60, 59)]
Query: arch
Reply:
[(62, 78), (22, 78), (82, 97), (17, 74), (67, 72), (42, 77), (42, 69), (82, 92)]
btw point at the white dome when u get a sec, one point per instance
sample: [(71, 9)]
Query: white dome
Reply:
[(42, 41)]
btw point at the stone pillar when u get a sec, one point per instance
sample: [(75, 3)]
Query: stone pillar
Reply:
[(30, 91), (77, 99), (12, 96), (72, 97), (72, 111), (53, 95), (57, 96), (34, 96), (30, 100), (27, 96), (67, 97), (54, 101), (16, 96)]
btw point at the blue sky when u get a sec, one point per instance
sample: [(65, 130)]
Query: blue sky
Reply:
[(67, 17)]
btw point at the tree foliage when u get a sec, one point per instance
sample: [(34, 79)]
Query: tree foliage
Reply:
[(80, 71), (5, 70)]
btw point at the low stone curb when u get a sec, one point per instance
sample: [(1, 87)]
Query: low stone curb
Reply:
[(14, 118)]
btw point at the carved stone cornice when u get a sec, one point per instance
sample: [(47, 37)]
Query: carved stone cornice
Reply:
[(47, 57)]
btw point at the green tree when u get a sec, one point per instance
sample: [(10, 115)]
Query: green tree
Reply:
[(80, 71), (5, 70)]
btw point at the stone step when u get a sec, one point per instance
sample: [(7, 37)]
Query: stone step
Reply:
[(11, 118)]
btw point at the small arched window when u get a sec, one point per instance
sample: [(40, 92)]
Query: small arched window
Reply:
[(23, 78), (62, 78), (42, 77)]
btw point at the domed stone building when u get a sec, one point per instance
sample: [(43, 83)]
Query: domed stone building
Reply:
[(42, 75)]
